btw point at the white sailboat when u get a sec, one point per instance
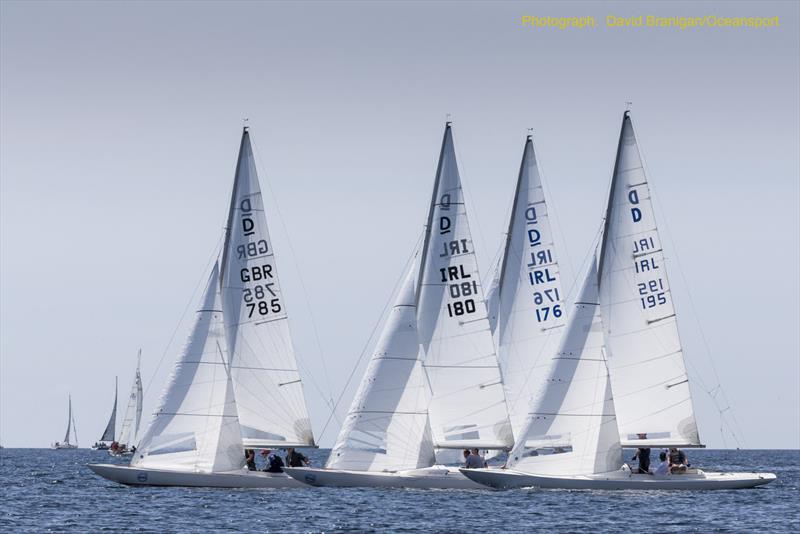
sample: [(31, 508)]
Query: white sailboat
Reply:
[(108, 434), (236, 384), (71, 432), (433, 384), (126, 441), (575, 431)]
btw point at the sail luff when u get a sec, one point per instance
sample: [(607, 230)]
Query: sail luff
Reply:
[(648, 372)]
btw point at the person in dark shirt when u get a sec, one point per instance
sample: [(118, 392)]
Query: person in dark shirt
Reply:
[(643, 454), (296, 459), (250, 459), (274, 462)]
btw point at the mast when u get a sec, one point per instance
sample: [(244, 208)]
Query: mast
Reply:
[(69, 421)]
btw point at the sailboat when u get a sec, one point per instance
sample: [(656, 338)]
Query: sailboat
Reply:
[(125, 442), (108, 434), (237, 384), (623, 319), (71, 431), (433, 384)]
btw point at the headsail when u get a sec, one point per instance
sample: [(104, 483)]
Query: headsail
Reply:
[(196, 427), (651, 386), (571, 429), (468, 407), (266, 380), (133, 412), (530, 305), (108, 433), (387, 426)]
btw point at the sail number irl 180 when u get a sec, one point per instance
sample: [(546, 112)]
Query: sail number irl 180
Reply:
[(461, 287)]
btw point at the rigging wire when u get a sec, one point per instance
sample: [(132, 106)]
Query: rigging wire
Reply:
[(329, 399), (712, 392)]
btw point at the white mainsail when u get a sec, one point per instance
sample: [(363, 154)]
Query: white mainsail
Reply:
[(651, 386), (133, 412), (468, 407), (571, 429), (387, 428), (529, 301), (196, 427), (266, 380), (109, 432)]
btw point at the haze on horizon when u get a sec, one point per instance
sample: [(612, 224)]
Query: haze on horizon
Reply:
[(119, 130)]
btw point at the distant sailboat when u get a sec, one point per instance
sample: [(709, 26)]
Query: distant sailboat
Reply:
[(623, 319), (126, 441), (433, 384), (236, 384), (71, 432), (108, 434)]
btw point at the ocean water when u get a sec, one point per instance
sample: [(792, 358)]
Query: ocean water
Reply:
[(45, 490)]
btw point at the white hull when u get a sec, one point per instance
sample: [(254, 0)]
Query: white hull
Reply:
[(135, 476), (60, 446), (426, 478), (619, 480)]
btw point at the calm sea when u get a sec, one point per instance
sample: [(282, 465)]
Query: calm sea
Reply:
[(45, 490)]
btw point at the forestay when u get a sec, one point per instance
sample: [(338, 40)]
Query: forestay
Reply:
[(108, 433), (387, 428), (571, 429), (530, 305), (651, 387), (468, 407), (196, 428), (133, 412), (266, 380)]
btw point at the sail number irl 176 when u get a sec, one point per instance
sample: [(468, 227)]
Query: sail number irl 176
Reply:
[(541, 278)]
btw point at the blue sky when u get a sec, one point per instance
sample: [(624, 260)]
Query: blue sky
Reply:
[(119, 125)]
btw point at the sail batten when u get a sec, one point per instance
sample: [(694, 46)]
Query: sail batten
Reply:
[(639, 319), (266, 379)]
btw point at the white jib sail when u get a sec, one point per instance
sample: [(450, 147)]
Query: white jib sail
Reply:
[(133, 411), (196, 428), (468, 407), (571, 429), (266, 380), (530, 313), (387, 428), (109, 432), (651, 387)]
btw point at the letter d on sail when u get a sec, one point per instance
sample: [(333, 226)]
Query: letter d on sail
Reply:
[(633, 198)]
